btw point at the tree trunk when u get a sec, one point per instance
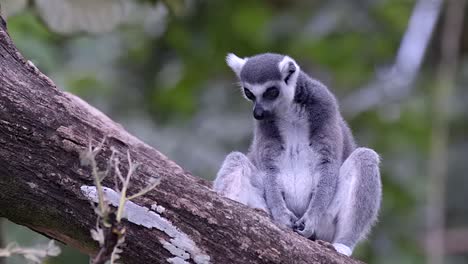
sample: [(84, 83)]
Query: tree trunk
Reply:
[(42, 132), (2, 260)]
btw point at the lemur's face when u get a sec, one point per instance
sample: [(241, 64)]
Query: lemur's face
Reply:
[(268, 80), (267, 97)]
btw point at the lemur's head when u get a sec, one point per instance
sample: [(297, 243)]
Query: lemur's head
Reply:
[(268, 80)]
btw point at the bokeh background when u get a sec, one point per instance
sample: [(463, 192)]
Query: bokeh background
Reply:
[(398, 67)]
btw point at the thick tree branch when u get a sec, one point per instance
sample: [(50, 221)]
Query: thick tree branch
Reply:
[(43, 186)]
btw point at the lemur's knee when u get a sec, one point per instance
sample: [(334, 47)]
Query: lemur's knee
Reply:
[(361, 172), (366, 156), (235, 167), (236, 163), (237, 158), (239, 180), (363, 163), (360, 194)]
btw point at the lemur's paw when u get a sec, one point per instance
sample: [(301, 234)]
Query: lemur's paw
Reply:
[(286, 218), (306, 227), (340, 248)]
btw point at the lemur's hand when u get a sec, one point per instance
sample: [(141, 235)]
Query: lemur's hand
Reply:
[(284, 217), (307, 226)]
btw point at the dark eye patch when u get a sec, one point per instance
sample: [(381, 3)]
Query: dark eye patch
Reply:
[(249, 94), (271, 93)]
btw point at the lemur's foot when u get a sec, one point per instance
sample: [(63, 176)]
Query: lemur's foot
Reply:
[(284, 217), (343, 249)]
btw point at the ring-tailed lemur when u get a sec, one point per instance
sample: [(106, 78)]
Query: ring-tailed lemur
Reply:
[(303, 166)]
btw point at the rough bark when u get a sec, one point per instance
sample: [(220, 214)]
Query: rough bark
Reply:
[(42, 130), (2, 260)]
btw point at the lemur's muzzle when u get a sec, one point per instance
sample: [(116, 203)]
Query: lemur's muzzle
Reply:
[(259, 112)]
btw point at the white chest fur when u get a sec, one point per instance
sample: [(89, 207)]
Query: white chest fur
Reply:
[(296, 165)]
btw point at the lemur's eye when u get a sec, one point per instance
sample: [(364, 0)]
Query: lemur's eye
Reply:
[(271, 93), (249, 94)]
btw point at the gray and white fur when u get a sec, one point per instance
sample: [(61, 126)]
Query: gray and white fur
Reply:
[(303, 166)]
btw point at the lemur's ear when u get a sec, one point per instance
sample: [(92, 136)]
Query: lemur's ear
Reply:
[(235, 63), (288, 68)]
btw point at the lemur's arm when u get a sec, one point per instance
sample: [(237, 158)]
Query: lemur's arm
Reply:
[(275, 200), (327, 145), (327, 169), (273, 192), (326, 140)]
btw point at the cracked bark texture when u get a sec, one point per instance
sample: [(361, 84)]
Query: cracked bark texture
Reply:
[(42, 131)]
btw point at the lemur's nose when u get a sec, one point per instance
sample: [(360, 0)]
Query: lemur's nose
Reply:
[(258, 112)]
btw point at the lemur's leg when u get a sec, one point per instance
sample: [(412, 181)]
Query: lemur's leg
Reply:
[(357, 200), (239, 180)]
